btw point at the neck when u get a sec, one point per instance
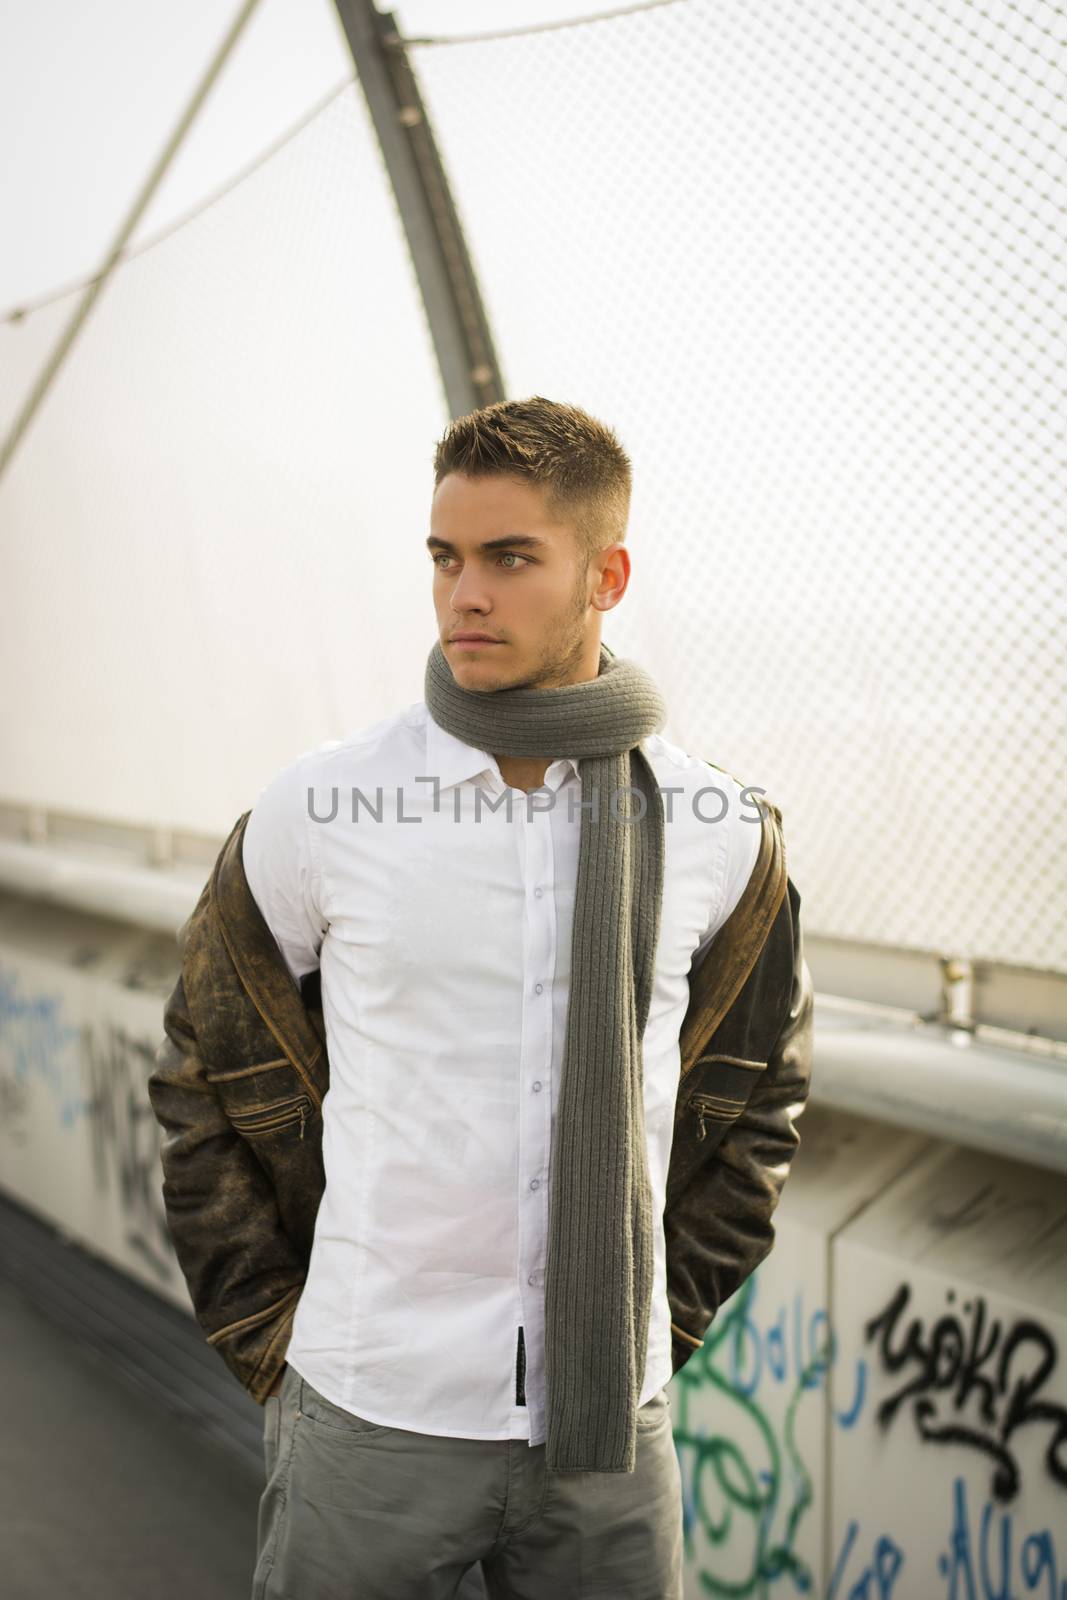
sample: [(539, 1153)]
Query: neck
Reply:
[(523, 772), (528, 772)]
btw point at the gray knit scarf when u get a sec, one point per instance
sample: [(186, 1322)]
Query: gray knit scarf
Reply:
[(598, 1283)]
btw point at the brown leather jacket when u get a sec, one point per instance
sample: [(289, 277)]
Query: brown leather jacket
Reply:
[(239, 1080)]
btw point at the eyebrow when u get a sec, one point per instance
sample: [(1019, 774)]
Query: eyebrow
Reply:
[(528, 541)]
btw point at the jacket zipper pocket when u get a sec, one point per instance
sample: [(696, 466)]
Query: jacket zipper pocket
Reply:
[(268, 1119), (714, 1106)]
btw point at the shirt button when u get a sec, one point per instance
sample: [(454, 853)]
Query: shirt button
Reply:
[(539, 893), (535, 1183), (538, 987), (534, 1278), (537, 1086)]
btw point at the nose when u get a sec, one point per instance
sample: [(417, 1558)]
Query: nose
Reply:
[(468, 594)]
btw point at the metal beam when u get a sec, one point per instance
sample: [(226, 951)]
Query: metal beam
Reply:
[(459, 327)]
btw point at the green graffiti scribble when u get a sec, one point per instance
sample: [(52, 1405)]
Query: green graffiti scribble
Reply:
[(775, 1495)]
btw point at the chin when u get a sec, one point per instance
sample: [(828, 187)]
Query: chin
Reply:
[(472, 670), (473, 675)]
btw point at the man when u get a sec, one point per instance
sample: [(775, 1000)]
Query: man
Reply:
[(503, 892)]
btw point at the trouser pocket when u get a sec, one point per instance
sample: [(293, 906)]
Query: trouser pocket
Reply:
[(328, 1419), (279, 1424), (654, 1412)]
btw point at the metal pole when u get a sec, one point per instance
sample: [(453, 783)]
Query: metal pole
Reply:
[(47, 375), (462, 340)]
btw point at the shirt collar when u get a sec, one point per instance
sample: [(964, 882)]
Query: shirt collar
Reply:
[(451, 760)]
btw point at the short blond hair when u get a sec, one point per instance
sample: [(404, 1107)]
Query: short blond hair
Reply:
[(577, 462)]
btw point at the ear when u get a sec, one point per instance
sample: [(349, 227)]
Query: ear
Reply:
[(613, 565)]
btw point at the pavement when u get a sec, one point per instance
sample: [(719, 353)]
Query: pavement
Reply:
[(104, 1491), (108, 1493)]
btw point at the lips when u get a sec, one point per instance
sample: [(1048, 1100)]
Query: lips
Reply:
[(460, 638)]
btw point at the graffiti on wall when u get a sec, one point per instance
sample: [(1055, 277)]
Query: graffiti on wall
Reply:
[(89, 1080), (972, 1382), (746, 1489), (125, 1139), (38, 1045), (747, 1492), (987, 1557), (859, 1575)]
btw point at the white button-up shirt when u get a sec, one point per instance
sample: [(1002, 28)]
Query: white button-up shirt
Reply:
[(443, 929)]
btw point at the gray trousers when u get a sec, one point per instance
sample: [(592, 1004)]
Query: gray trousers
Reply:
[(356, 1511)]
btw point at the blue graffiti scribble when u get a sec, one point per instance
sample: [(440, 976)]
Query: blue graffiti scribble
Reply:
[(877, 1580), (790, 1347), (36, 1042), (970, 1579), (849, 1418)]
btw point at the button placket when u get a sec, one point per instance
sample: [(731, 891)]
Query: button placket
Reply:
[(535, 1115)]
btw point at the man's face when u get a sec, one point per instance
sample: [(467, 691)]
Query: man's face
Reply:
[(531, 592)]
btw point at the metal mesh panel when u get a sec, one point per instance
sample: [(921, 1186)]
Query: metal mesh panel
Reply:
[(212, 527), (808, 260)]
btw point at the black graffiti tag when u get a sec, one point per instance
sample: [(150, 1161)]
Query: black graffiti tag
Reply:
[(958, 1362)]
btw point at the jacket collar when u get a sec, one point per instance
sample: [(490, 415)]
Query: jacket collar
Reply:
[(718, 978)]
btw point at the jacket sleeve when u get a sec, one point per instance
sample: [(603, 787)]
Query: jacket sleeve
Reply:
[(243, 1273), (719, 1227)]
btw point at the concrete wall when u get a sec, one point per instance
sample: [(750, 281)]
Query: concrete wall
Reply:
[(81, 1004), (880, 1411), (754, 1427)]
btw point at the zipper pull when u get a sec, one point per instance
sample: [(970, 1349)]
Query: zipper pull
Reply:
[(303, 1114), (700, 1121)]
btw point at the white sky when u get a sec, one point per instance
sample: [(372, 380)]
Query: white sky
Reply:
[(89, 94)]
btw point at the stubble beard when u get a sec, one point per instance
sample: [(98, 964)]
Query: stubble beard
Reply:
[(562, 649)]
